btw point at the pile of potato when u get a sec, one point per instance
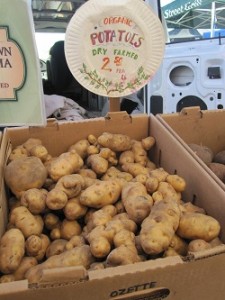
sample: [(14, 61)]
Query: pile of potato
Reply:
[(103, 203), (215, 161)]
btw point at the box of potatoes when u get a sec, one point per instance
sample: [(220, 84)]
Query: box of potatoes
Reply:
[(202, 133), (108, 208)]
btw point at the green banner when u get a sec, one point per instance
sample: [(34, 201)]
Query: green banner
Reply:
[(180, 7)]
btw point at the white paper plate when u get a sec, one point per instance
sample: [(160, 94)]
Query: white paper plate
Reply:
[(114, 47)]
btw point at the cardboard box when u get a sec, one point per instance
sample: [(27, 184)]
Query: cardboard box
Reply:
[(202, 127), (196, 277)]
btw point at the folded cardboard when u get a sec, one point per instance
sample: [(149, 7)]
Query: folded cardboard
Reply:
[(172, 278), (202, 127)]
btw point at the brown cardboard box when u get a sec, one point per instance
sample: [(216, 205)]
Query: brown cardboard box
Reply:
[(196, 277), (203, 127)]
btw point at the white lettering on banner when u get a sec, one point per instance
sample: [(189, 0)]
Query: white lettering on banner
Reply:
[(169, 13), (191, 5)]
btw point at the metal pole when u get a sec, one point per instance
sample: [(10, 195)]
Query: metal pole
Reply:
[(213, 18)]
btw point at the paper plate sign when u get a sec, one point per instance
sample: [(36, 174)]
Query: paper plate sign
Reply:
[(114, 47)]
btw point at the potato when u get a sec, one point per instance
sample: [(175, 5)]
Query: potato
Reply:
[(56, 247), (170, 252), (23, 219), (124, 222), (80, 147), (97, 266), (12, 249), (158, 229), (33, 245), (25, 265), (74, 210), (39, 151), (97, 163), (100, 241), (159, 173), (109, 155), (140, 154), (76, 240), (124, 237), (100, 194), (100, 247), (31, 142), (203, 152), (151, 184), (125, 251), (36, 246), (114, 172), (189, 207), (157, 196), (126, 157), (219, 157), (121, 256), (148, 142), (101, 216), (137, 202), (151, 165), (198, 226), (115, 141), (92, 139), (79, 256), (7, 278), (69, 228), (56, 199), (134, 169), (198, 245), (87, 173), (119, 206), (35, 200), (25, 173), (51, 221), (67, 163), (218, 169), (92, 149), (168, 191), (216, 242), (18, 152), (177, 182), (55, 233), (179, 245), (71, 185)]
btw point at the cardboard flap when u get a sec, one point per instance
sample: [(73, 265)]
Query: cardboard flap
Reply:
[(63, 274), (51, 123), (192, 111), (121, 116), (134, 268), (206, 253), (14, 287)]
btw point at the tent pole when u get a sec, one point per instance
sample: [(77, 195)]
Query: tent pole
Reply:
[(213, 18)]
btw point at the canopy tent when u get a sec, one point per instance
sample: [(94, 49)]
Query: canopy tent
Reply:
[(198, 14)]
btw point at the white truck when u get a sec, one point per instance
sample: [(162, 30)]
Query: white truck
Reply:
[(193, 69)]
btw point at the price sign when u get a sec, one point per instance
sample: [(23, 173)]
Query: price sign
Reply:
[(114, 47)]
